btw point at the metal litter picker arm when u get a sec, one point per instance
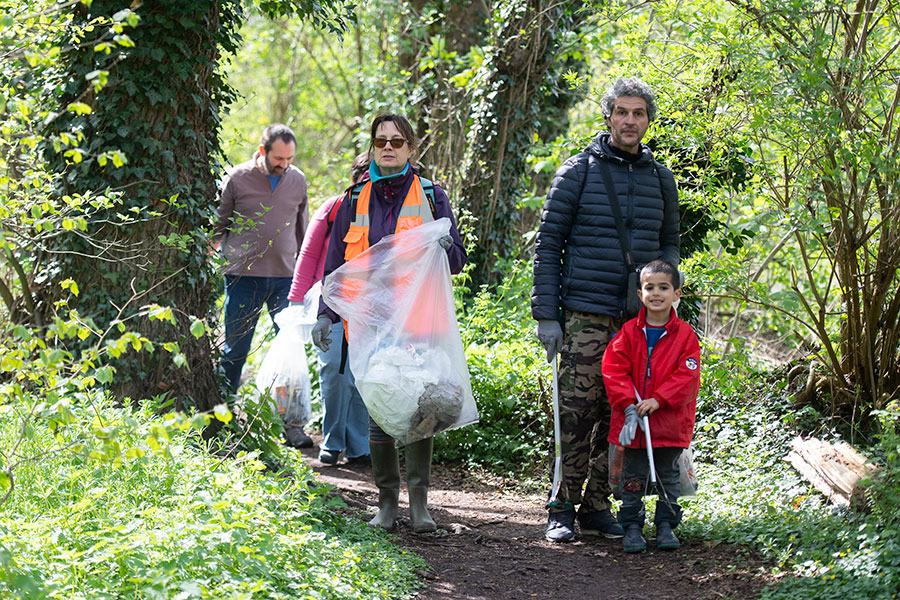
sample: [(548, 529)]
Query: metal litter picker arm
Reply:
[(646, 420), (557, 445)]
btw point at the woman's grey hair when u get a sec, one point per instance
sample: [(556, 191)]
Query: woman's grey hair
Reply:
[(630, 86)]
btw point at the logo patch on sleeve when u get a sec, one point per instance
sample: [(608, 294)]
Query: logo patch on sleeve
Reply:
[(691, 364)]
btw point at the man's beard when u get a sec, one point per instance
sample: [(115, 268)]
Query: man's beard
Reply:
[(277, 171)]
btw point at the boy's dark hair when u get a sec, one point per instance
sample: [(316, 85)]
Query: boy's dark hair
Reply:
[(664, 267)]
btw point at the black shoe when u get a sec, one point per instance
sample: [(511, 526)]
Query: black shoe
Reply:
[(600, 523), (634, 542), (360, 461), (329, 457), (561, 526), (295, 437), (665, 539)]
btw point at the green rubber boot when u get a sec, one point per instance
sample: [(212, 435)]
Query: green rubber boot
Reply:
[(418, 478), (386, 471)]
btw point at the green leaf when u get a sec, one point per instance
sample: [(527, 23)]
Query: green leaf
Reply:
[(79, 108), (104, 374), (198, 328), (222, 413)]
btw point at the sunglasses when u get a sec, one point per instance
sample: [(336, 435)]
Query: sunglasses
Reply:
[(395, 142)]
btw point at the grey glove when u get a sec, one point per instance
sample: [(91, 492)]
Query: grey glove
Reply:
[(632, 422), (549, 332), (445, 241), (321, 332)]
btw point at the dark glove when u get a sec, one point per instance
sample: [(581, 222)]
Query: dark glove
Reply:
[(321, 332), (632, 422), (445, 241), (549, 332)]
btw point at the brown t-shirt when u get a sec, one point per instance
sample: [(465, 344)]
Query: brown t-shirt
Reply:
[(261, 229)]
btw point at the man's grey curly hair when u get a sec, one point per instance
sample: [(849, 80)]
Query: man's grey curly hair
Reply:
[(630, 86)]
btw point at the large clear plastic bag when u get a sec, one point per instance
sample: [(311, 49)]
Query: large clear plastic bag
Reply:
[(284, 372), (405, 351)]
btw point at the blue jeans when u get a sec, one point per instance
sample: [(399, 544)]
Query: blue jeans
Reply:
[(635, 477), (345, 420), (244, 299)]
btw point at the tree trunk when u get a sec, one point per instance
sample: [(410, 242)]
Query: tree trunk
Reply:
[(161, 108), (835, 470), (516, 93)]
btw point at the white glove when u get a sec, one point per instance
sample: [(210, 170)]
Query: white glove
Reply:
[(549, 332), (321, 333), (445, 241), (632, 422)]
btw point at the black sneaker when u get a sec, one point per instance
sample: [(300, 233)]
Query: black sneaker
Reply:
[(600, 523), (329, 457), (360, 461), (295, 437), (634, 542), (665, 539), (561, 526)]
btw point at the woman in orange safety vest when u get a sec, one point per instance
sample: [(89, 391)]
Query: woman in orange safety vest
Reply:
[(394, 199)]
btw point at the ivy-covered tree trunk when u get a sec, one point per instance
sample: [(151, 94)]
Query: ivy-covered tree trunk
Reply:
[(488, 77), (517, 92), (160, 108)]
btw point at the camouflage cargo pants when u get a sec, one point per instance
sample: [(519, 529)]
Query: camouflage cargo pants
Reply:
[(584, 411)]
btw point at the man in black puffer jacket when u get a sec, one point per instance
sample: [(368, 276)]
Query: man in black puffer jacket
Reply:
[(579, 293)]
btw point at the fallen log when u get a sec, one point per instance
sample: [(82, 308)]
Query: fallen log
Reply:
[(833, 469)]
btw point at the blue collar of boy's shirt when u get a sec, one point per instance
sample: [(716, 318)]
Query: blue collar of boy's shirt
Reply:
[(274, 179)]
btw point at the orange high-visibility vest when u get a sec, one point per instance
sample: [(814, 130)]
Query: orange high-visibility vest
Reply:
[(413, 212)]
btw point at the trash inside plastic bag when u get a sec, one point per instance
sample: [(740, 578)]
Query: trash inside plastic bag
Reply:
[(687, 472), (284, 372), (405, 350), (616, 457)]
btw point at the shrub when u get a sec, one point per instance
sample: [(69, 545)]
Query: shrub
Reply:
[(509, 374), (749, 495)]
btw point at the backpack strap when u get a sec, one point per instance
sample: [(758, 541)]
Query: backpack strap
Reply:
[(428, 188), (332, 214), (353, 193)]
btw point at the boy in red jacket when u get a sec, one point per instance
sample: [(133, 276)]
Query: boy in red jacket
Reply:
[(652, 367)]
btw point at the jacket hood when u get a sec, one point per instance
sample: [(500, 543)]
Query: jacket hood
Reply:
[(600, 147)]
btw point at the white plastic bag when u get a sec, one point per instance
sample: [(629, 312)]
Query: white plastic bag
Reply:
[(405, 351), (284, 372), (687, 472)]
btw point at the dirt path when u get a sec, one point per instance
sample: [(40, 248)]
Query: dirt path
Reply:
[(490, 546)]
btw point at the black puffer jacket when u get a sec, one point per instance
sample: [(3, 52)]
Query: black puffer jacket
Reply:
[(578, 263)]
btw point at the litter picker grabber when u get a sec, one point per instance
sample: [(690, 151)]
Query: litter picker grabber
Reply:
[(557, 445), (645, 425), (654, 483)]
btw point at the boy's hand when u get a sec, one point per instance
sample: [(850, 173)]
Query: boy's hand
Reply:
[(647, 406), (629, 429)]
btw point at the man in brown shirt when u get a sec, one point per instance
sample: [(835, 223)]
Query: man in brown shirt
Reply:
[(263, 216)]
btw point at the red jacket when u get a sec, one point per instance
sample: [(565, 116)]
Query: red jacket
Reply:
[(674, 380)]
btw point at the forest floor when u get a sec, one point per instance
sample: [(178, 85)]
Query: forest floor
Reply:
[(490, 546)]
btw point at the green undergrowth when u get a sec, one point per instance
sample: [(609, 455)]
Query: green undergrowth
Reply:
[(510, 381), (750, 495), (169, 520)]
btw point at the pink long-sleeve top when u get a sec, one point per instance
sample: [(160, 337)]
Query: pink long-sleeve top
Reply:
[(311, 261)]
